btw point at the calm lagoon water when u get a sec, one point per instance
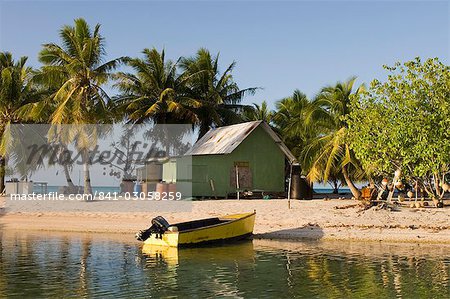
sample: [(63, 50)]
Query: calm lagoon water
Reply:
[(73, 265)]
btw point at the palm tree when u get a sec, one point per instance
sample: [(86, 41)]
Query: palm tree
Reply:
[(15, 91), (290, 122), (258, 112), (155, 91), (329, 150), (40, 111), (77, 69), (218, 94)]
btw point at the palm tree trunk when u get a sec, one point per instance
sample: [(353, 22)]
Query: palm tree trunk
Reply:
[(2, 174), (65, 161), (334, 185), (68, 178), (355, 192), (87, 175)]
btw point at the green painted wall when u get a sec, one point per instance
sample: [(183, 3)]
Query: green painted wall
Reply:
[(265, 158)]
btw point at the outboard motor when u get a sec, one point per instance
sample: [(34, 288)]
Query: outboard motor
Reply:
[(159, 227)]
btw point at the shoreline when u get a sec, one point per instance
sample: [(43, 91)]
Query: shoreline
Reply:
[(330, 219)]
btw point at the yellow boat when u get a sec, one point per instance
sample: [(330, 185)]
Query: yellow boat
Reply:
[(191, 233)]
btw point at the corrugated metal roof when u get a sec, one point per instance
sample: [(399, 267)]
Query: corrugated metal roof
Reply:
[(224, 140)]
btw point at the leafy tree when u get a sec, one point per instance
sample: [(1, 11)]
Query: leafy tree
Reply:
[(403, 123), (156, 91), (16, 89), (328, 153), (77, 69), (258, 112), (40, 111), (218, 94), (289, 121)]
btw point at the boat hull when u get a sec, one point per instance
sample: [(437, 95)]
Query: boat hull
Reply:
[(234, 227)]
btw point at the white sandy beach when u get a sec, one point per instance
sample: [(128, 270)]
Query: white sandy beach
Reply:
[(315, 220)]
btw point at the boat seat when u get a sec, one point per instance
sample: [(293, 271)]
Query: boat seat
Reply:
[(199, 223)]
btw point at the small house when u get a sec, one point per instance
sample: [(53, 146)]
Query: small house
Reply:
[(242, 157)]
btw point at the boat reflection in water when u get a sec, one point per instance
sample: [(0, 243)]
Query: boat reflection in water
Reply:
[(212, 270), (241, 251)]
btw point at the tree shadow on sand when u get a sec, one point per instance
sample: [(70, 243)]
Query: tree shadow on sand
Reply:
[(2, 205), (311, 231)]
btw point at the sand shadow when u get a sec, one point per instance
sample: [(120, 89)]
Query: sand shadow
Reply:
[(307, 232), (2, 213), (2, 205)]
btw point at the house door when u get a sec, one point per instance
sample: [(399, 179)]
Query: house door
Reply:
[(241, 170)]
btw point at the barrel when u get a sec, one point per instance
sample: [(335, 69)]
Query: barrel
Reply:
[(144, 188), (161, 190), (172, 187), (300, 188), (306, 190), (137, 187)]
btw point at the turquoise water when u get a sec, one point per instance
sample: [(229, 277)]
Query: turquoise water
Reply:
[(113, 189), (97, 266), (329, 190)]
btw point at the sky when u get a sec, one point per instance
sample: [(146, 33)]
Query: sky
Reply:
[(279, 46)]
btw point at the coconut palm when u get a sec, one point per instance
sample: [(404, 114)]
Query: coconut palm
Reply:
[(258, 112), (78, 70), (155, 92), (329, 150), (24, 95), (218, 94), (291, 124), (15, 91), (40, 111)]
